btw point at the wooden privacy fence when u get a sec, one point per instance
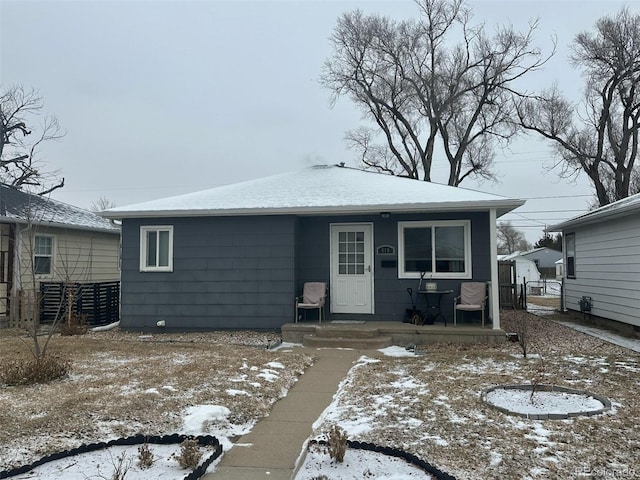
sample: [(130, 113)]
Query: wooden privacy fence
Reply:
[(508, 284), (99, 302)]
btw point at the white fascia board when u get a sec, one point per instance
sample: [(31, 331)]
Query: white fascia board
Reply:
[(502, 207), (621, 208), (590, 218)]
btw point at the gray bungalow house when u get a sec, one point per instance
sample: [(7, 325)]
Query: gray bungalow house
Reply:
[(236, 256), (602, 261)]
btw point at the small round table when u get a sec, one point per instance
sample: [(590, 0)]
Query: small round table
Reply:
[(433, 299)]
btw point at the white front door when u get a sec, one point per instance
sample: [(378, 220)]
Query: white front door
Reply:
[(352, 268)]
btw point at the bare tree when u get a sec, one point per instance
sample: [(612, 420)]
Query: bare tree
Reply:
[(599, 135), (422, 91), (35, 251), (20, 166), (510, 239), (102, 203)]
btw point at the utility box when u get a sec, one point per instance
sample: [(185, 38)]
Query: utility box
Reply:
[(585, 304)]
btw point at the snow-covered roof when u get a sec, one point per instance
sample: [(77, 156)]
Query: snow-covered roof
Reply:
[(541, 249), (517, 256), (621, 208), (322, 189), (22, 207)]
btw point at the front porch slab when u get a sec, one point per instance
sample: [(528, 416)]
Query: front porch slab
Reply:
[(401, 334)]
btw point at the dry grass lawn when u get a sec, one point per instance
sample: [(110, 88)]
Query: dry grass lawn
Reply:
[(122, 384), (549, 301), (428, 405)]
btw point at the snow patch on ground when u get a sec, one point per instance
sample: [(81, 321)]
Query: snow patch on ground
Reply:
[(233, 392), (358, 464), (395, 351), (276, 365), (268, 374), (521, 401), (197, 416), (101, 464)]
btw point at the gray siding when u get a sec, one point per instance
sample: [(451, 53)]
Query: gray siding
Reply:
[(390, 292), (608, 269), (244, 272), (228, 272)]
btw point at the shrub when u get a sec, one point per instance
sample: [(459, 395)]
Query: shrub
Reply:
[(145, 456), (337, 443), (76, 325), (121, 466), (190, 454), (34, 370)]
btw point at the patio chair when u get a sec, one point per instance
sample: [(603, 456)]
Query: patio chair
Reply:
[(313, 297), (473, 298)]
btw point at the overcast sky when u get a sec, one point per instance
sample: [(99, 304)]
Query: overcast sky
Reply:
[(160, 98)]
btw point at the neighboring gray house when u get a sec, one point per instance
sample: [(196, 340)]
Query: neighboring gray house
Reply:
[(602, 260), (44, 240), (236, 256), (545, 259)]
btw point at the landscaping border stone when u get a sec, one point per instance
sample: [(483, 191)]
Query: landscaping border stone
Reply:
[(394, 452), (198, 472), (547, 388)]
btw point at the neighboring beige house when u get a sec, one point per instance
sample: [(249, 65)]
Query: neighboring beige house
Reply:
[(44, 240)]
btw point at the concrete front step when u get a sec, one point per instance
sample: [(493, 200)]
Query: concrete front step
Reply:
[(403, 333), (315, 341), (346, 332)]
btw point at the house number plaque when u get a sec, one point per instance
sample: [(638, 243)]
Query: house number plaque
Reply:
[(386, 250)]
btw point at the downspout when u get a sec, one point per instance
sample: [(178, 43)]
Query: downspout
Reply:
[(494, 301)]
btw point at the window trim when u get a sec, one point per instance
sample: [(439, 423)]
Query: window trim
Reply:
[(51, 256), (571, 236), (143, 248), (466, 274)]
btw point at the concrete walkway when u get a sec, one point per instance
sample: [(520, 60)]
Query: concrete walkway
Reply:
[(272, 447)]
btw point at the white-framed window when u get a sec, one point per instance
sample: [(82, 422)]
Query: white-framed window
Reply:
[(441, 249), (156, 248), (43, 255), (570, 248)]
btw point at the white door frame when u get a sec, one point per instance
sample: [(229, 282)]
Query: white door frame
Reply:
[(369, 265)]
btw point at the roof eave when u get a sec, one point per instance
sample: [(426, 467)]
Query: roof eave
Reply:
[(501, 206), (593, 218), (67, 226)]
